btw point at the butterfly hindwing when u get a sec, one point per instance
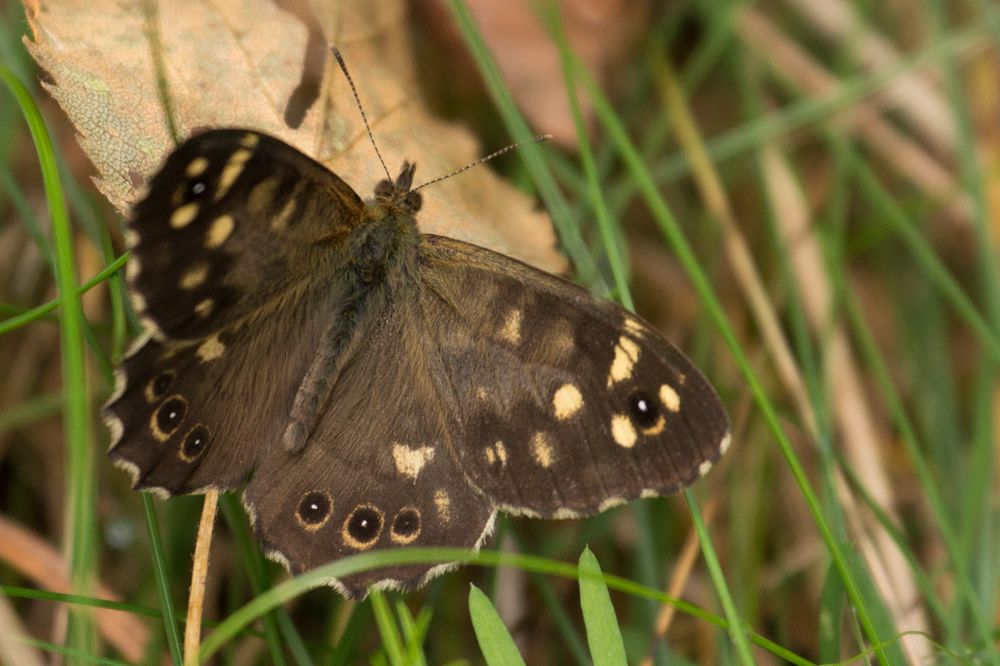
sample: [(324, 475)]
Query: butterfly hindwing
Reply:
[(190, 415), (379, 470)]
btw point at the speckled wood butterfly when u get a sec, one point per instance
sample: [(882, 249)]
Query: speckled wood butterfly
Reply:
[(379, 387)]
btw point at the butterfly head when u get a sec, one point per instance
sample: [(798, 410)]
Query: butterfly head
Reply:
[(396, 196)]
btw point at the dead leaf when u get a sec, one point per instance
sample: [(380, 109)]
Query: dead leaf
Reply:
[(266, 65)]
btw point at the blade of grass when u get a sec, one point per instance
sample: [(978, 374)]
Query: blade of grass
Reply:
[(531, 153), (412, 635), (40, 311), (495, 641), (320, 576), (387, 629), (737, 628), (169, 616), (79, 533), (603, 635), (692, 267), (276, 624)]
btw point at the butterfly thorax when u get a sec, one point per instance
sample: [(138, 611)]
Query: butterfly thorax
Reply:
[(379, 252)]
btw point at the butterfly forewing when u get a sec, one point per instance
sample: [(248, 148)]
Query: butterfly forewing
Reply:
[(234, 222), (568, 403)]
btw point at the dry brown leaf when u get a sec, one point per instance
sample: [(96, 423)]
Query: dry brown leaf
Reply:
[(32, 557), (239, 63)]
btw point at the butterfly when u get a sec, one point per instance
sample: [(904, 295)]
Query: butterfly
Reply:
[(372, 386)]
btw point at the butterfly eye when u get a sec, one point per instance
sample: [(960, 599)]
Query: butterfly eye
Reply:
[(644, 411), (384, 189), (412, 202), (406, 525), (314, 510), (363, 526), (195, 443)]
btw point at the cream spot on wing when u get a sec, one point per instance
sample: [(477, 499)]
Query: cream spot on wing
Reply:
[(121, 382), (196, 167), (511, 328), (138, 301), (565, 514), (217, 234), (648, 492), (497, 453), (232, 171), (132, 268), (409, 462), (194, 277), (611, 502), (558, 341), (633, 326), (249, 140), (725, 443), (115, 430), (183, 215), (280, 222), (704, 467), (482, 393), (626, 354), (261, 196), (567, 401), (541, 449), (131, 238), (211, 349), (204, 308), (442, 502), (622, 431), (669, 398)]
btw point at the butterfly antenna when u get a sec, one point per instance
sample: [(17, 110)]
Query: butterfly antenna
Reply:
[(498, 153), (357, 99)]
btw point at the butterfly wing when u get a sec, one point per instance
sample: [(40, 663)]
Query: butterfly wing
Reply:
[(234, 249), (191, 415), (234, 222), (568, 404), (483, 383), (379, 469)]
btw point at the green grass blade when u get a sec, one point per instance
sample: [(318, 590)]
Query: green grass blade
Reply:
[(36, 313), (603, 634), (79, 533), (737, 630), (254, 566), (692, 266), (413, 637), (495, 641), (531, 153), (171, 626), (387, 629)]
